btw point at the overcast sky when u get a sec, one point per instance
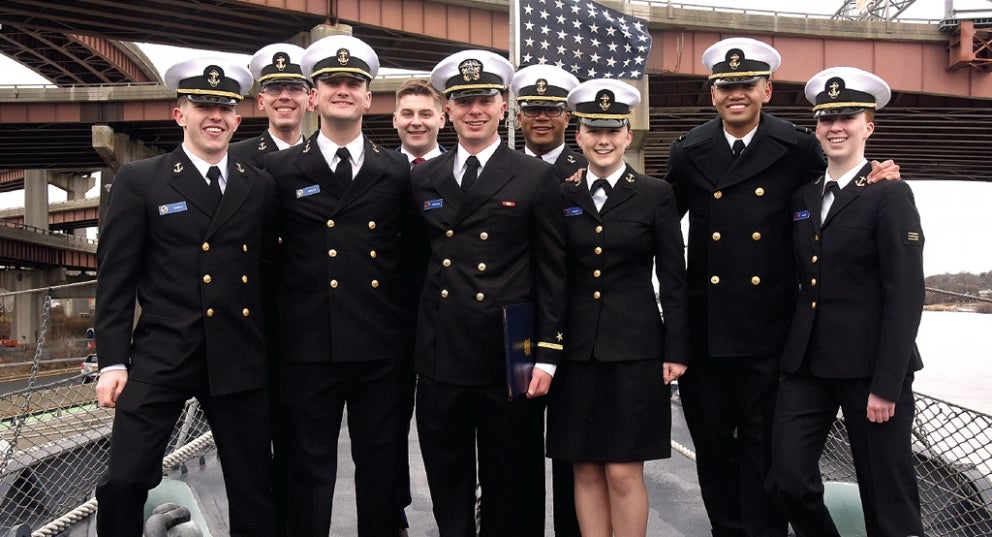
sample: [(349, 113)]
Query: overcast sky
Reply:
[(954, 213)]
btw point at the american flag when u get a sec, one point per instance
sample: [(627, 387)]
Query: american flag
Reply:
[(582, 37)]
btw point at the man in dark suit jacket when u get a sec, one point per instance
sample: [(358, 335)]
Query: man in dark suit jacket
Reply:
[(285, 97), (742, 286), (342, 298), (186, 234), (852, 339), (541, 92), (494, 222)]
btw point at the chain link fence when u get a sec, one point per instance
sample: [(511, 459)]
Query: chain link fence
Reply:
[(54, 444)]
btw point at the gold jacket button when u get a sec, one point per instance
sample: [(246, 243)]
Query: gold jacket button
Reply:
[(480, 297), (371, 224), (598, 250), (332, 253), (245, 312), (207, 278), (210, 312), (599, 229), (759, 192), (813, 305), (330, 223), (244, 278), (816, 237), (279, 240), (812, 282), (716, 235), (482, 267), (372, 254), (483, 235), (444, 293), (715, 280), (375, 284), (755, 280), (334, 284), (446, 263), (449, 233), (205, 246), (756, 236), (244, 247), (597, 273), (718, 194), (814, 259), (596, 295)]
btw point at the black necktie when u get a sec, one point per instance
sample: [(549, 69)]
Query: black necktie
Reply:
[(214, 175), (343, 170), (601, 183), (738, 148), (471, 173), (832, 186)]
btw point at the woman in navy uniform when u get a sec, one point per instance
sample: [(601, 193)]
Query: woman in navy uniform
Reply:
[(187, 234), (859, 254), (609, 409)]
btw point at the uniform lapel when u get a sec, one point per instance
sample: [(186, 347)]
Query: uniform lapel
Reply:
[(373, 166), (763, 151), (190, 183), (848, 194), (313, 166), (494, 175), (235, 194), (443, 180), (625, 189), (578, 193), (708, 150), (813, 200)]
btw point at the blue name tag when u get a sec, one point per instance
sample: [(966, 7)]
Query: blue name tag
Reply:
[(430, 205), (573, 211), (177, 207), (801, 215), (307, 191)]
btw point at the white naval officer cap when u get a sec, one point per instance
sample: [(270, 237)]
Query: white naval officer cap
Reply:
[(603, 102), (846, 91), (278, 62), (740, 60), (472, 73), (340, 55), (542, 85), (209, 80)]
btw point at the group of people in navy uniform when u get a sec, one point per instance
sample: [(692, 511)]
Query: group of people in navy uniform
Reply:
[(285, 278)]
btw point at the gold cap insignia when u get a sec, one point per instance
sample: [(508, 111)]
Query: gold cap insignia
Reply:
[(470, 69), (605, 100), (213, 77), (280, 62), (834, 85), (344, 56), (734, 58), (177, 167), (541, 86)]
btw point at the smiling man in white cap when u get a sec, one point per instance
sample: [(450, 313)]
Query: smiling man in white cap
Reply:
[(285, 97), (851, 344), (195, 265), (735, 175), (494, 221), (345, 305), (543, 115)]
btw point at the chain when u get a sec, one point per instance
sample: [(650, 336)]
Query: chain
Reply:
[(23, 415)]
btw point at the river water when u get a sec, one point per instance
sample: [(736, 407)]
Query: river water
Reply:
[(957, 358)]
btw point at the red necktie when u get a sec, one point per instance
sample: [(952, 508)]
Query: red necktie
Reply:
[(416, 161)]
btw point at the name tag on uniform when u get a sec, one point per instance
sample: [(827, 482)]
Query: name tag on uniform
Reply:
[(307, 191), (801, 215), (430, 205), (573, 211), (177, 207)]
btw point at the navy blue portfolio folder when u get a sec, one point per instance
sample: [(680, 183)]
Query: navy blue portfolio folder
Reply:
[(518, 333)]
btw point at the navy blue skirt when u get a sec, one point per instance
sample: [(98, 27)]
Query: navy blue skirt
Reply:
[(609, 412)]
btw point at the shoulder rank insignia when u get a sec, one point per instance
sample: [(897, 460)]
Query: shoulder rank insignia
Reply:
[(177, 168)]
